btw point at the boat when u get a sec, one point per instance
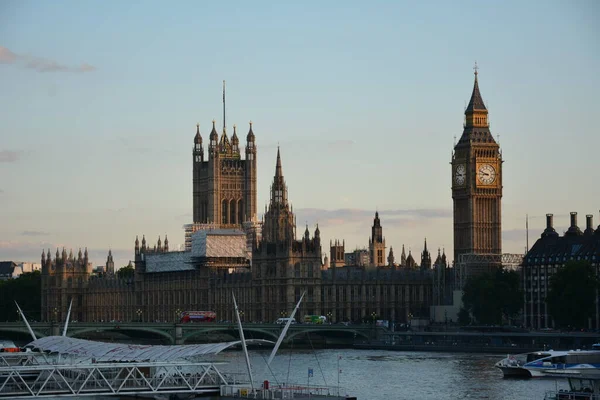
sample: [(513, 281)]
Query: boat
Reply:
[(582, 361), (581, 387), (513, 366)]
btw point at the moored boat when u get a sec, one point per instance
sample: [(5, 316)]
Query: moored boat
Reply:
[(513, 366)]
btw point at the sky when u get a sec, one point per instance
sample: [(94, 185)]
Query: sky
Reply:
[(99, 103)]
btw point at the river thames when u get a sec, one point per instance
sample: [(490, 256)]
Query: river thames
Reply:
[(383, 375)]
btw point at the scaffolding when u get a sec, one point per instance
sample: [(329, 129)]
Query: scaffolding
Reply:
[(472, 264), (33, 375)]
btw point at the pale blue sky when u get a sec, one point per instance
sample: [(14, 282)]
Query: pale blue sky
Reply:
[(99, 101)]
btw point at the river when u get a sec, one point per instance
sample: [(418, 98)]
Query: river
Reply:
[(380, 374)]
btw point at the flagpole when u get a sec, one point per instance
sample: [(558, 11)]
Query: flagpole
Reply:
[(338, 372)]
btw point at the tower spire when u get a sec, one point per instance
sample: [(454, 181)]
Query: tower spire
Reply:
[(224, 106), (476, 102), (278, 170)]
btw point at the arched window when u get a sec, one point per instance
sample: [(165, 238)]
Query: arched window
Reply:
[(225, 211)]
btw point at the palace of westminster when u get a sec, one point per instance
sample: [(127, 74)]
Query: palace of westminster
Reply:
[(227, 249)]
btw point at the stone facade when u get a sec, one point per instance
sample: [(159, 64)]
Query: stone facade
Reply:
[(267, 285), (477, 186)]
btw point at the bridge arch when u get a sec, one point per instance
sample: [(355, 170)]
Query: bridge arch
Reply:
[(208, 329), (291, 335), (124, 329)]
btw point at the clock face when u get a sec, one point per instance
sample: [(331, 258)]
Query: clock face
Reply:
[(460, 174), (486, 174)]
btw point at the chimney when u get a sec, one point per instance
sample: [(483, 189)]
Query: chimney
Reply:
[(589, 224), (573, 219), (573, 229), (549, 221)]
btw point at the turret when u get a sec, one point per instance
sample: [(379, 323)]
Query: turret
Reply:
[(64, 255), (214, 138), (43, 257), (85, 256), (391, 259), (198, 149), (166, 247), (159, 244), (137, 245), (235, 142), (79, 255), (143, 243)]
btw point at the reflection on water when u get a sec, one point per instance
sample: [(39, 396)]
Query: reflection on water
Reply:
[(378, 374)]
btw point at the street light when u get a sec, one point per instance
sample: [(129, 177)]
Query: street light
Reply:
[(139, 313), (374, 315), (329, 315), (177, 314), (241, 316), (55, 311)]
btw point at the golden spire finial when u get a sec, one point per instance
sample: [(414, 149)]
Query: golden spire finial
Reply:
[(197, 124), (475, 68)]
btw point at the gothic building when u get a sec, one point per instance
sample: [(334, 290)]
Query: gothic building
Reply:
[(64, 279), (224, 185), (477, 186), (550, 252), (377, 243)]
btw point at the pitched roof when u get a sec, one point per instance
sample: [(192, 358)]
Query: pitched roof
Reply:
[(476, 102)]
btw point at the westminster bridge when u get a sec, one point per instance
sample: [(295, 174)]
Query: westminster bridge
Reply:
[(176, 333)]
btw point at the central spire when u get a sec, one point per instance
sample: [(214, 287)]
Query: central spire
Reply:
[(476, 102), (278, 170)]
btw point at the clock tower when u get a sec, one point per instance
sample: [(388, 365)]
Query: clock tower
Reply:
[(477, 184)]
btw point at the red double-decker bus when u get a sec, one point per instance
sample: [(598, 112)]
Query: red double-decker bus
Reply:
[(198, 316)]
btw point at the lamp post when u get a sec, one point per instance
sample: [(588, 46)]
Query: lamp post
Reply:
[(329, 315), (177, 315), (55, 312), (139, 313), (373, 316), (241, 316)]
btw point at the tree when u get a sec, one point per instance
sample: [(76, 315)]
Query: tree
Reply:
[(25, 290), (126, 272), (494, 297), (572, 293)]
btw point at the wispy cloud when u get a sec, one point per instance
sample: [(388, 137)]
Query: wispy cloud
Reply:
[(400, 217), (34, 233), (8, 156), (31, 251), (39, 64)]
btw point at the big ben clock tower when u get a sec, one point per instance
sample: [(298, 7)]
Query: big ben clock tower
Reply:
[(477, 184)]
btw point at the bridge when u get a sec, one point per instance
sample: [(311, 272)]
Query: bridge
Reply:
[(176, 333)]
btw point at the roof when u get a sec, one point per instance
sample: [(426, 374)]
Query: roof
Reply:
[(476, 102), (7, 267), (554, 249), (117, 352)]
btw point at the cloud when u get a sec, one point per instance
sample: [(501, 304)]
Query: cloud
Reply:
[(34, 233), (9, 156), (7, 56), (39, 64), (399, 217)]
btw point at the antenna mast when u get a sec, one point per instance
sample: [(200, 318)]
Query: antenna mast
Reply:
[(527, 233), (223, 106)]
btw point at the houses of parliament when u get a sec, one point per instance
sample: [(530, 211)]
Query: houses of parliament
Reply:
[(266, 263)]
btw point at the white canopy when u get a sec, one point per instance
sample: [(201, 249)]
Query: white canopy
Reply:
[(118, 352)]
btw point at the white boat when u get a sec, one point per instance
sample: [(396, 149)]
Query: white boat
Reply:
[(578, 361), (513, 366)]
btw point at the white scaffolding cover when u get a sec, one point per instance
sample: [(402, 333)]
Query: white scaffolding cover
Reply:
[(219, 243), (117, 352)]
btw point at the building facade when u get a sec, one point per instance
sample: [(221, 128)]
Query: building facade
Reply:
[(267, 285), (550, 252)]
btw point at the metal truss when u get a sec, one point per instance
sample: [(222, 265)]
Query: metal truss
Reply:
[(470, 262), (31, 377)]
